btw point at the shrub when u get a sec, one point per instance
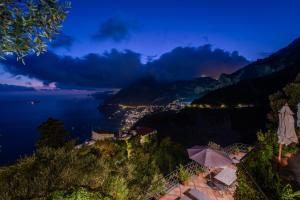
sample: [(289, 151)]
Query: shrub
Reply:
[(214, 146), (183, 174), (259, 164)]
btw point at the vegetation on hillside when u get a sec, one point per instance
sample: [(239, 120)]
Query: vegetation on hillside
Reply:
[(289, 94), (261, 163), (100, 171), (261, 166)]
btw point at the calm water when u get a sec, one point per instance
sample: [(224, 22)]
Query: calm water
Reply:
[(19, 119)]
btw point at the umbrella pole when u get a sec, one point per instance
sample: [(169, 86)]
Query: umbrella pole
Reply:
[(280, 152)]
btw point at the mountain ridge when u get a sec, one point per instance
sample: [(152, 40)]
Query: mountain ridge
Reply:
[(151, 91)]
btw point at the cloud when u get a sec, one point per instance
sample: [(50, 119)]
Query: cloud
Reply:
[(13, 88), (188, 62), (62, 41), (115, 29), (119, 68), (111, 69)]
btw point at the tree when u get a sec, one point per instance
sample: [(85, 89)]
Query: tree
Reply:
[(27, 25), (53, 134), (289, 94)]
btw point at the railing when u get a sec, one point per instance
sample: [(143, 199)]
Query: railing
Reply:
[(172, 180), (249, 175), (245, 148)]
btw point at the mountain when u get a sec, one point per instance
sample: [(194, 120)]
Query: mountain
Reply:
[(251, 84), (284, 58), (148, 90), (192, 126), (14, 88), (250, 90)]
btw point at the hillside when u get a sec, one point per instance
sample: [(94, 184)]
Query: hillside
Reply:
[(253, 91), (230, 125), (254, 88), (199, 126), (284, 58), (148, 90)]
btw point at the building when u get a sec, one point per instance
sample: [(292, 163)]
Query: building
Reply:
[(102, 135)]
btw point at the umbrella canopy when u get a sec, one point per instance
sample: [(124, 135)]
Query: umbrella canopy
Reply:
[(208, 157), (286, 129)]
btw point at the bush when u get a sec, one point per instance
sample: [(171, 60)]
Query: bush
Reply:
[(214, 145), (183, 174), (100, 169), (259, 164)]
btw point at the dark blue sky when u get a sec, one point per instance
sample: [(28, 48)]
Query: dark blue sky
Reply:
[(153, 28), (254, 28)]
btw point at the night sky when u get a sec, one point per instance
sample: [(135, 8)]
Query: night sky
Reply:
[(178, 39)]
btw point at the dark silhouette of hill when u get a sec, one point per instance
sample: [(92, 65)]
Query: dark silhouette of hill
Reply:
[(199, 126), (148, 90), (285, 63), (253, 91), (284, 58), (251, 85)]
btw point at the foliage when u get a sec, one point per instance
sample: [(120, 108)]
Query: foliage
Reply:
[(214, 145), (246, 190), (259, 164), (53, 134), (289, 194), (102, 169), (235, 150), (77, 194), (117, 188), (289, 94), (183, 174), (26, 25)]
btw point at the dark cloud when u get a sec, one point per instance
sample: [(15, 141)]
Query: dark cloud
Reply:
[(119, 68), (13, 88), (188, 62), (115, 29), (112, 69), (62, 40)]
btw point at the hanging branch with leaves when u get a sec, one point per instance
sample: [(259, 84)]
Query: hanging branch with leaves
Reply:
[(27, 25)]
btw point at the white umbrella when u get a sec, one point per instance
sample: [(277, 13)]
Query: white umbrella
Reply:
[(286, 129)]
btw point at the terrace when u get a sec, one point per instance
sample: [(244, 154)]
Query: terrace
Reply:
[(171, 188)]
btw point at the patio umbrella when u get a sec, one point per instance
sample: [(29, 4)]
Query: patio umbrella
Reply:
[(286, 129), (208, 157)]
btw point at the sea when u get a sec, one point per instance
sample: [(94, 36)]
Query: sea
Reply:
[(22, 112)]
